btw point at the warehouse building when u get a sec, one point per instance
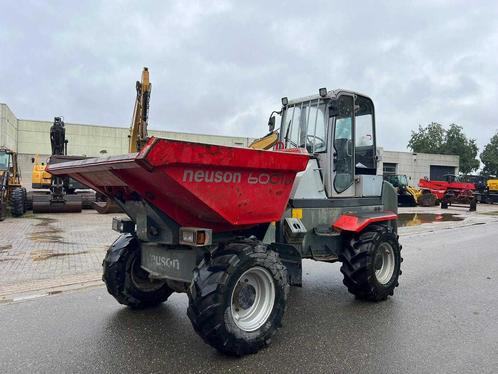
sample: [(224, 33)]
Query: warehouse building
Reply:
[(417, 166), (31, 137)]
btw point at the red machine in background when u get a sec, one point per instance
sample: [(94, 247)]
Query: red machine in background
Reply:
[(451, 191)]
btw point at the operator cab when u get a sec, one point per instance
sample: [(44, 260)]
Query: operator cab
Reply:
[(338, 129), (5, 159)]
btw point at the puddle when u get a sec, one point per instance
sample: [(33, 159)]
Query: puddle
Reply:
[(5, 248), (44, 221), (47, 233), (42, 255), (493, 213), (416, 219)]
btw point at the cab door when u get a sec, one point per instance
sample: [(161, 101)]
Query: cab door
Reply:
[(341, 121)]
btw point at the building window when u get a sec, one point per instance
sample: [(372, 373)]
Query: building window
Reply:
[(389, 168)]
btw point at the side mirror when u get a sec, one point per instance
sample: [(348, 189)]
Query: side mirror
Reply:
[(271, 124)]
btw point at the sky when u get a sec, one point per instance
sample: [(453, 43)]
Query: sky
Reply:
[(221, 67)]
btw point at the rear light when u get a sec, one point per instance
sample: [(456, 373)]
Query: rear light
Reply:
[(123, 225), (194, 236)]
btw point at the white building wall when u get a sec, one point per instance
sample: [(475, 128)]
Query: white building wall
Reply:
[(416, 166), (8, 128), (93, 140)]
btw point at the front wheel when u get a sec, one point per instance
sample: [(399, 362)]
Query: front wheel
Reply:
[(127, 281), (371, 263), (17, 202), (238, 297)]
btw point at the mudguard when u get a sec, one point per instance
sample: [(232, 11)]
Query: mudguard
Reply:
[(357, 222)]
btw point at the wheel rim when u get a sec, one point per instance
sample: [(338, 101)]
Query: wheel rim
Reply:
[(141, 279), (252, 299), (384, 263)]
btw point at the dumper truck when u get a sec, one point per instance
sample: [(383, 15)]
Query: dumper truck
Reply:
[(231, 226)]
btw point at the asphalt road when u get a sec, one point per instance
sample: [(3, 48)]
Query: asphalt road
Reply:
[(443, 319)]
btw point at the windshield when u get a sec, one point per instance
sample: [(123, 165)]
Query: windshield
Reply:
[(304, 126), (4, 161), (397, 180)]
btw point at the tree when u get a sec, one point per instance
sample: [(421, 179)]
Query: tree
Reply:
[(489, 157), (456, 143), (428, 139), (435, 139)]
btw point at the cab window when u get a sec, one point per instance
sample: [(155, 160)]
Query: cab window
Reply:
[(365, 153), (305, 126), (343, 144)]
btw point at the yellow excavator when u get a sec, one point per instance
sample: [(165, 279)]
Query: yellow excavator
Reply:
[(266, 142), (57, 194), (40, 178), (139, 122), (12, 194), (138, 134)]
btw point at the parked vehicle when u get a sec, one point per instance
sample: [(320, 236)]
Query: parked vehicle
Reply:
[(12, 194), (451, 191), (230, 226)]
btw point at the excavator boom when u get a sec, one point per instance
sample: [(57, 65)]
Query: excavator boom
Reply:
[(139, 122)]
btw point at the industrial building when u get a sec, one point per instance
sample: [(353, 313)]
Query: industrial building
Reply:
[(31, 137), (417, 165)]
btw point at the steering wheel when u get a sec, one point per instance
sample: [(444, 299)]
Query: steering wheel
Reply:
[(316, 140)]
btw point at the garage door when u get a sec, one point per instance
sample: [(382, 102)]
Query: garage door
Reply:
[(438, 172)]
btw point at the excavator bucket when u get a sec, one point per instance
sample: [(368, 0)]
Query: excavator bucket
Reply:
[(196, 185), (44, 203)]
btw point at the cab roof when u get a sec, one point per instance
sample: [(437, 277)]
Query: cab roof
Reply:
[(330, 95)]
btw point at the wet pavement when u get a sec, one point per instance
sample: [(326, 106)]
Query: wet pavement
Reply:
[(52, 249), (443, 319), (415, 219)]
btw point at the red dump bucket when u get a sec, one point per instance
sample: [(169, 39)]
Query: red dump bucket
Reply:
[(200, 185)]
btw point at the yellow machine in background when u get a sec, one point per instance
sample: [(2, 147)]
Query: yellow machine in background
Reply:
[(11, 192), (492, 185), (137, 138), (407, 195), (40, 179), (265, 142), (139, 122)]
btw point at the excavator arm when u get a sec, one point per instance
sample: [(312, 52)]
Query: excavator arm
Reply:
[(138, 129), (266, 142)]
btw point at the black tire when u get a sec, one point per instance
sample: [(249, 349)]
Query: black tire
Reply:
[(126, 280), (3, 209), (210, 297), (25, 198), (359, 259), (427, 199), (17, 202)]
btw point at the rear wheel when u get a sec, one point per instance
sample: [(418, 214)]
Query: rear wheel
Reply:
[(127, 281), (371, 263), (17, 202), (426, 199), (238, 297)]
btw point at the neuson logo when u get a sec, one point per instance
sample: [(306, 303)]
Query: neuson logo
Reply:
[(166, 262), (219, 176)]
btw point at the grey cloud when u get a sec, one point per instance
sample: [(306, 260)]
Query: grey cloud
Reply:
[(222, 66)]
